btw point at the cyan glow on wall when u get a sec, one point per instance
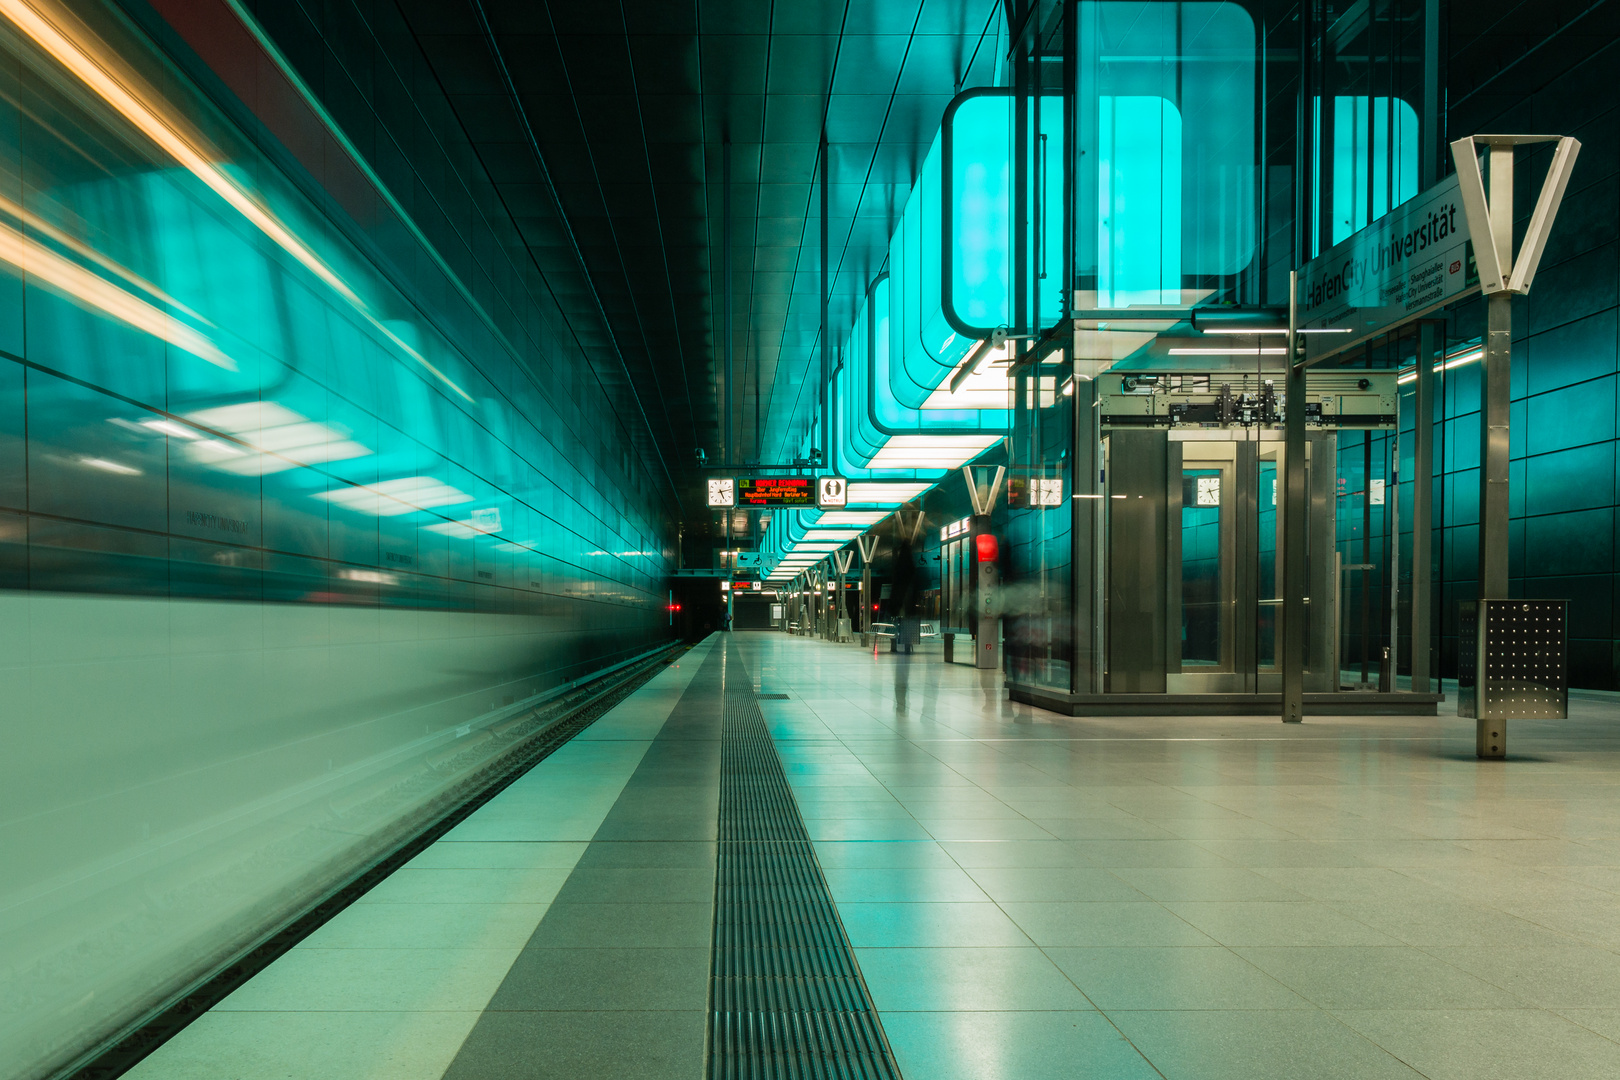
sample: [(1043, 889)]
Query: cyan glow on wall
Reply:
[(1166, 96), (977, 142), (1379, 131), (870, 415), (1138, 201)]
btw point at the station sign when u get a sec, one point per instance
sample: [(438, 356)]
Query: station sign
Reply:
[(832, 492), (1411, 261), (779, 492), (776, 491)]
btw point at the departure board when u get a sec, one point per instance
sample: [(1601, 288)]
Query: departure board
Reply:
[(776, 491)]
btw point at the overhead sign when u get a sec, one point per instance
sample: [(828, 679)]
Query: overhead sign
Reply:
[(1414, 259), (722, 491), (832, 492), (776, 491)]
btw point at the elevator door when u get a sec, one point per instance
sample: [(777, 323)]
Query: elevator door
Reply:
[(1225, 591)]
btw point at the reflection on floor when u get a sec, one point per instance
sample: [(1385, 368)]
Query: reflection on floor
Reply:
[(1034, 896)]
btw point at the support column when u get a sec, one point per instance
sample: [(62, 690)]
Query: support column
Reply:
[(1294, 506), (1422, 504), (729, 457), (1491, 735), (868, 545), (1493, 474)]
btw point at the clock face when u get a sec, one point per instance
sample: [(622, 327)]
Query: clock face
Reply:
[(723, 492)]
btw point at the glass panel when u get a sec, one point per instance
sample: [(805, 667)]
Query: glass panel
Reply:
[(1166, 189), (1269, 585), (1203, 601)]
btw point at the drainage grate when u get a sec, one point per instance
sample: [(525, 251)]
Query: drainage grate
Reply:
[(771, 697), (785, 993)]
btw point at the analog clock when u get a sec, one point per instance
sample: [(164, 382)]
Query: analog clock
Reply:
[(723, 491)]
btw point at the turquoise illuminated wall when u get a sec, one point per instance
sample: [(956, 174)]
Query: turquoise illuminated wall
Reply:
[(1168, 163)]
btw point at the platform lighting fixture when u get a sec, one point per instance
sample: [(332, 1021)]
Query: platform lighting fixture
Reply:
[(885, 492), (852, 517), (842, 535), (1234, 351), (932, 451), (1250, 331), (1454, 361)]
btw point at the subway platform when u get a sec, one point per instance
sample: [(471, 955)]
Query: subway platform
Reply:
[(996, 892)]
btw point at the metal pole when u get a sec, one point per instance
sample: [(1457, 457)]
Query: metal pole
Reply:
[(725, 201), (1393, 501), (1495, 402), (1493, 476), (1422, 497), (826, 371), (1294, 511)]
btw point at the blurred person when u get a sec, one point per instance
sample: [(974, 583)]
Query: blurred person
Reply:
[(904, 597)]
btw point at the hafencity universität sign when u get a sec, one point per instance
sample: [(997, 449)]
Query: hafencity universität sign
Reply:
[(1414, 259)]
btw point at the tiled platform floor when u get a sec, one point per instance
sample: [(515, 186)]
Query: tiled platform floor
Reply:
[(1034, 896)]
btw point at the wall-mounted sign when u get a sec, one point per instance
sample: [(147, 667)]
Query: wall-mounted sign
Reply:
[(722, 491), (1404, 265), (832, 491), (776, 491)]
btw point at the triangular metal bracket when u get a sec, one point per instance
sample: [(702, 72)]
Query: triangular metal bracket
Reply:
[(911, 527), (842, 561), (1490, 220), (868, 543), (983, 498)]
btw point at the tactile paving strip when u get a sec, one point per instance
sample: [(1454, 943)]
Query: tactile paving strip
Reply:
[(785, 993)]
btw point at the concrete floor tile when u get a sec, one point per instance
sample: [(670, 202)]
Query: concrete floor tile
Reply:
[(329, 1045), (1103, 923), (1203, 883), (373, 980), (596, 980), (428, 926), (1382, 977), (1355, 883), (1264, 923), (930, 925), (472, 855), (1108, 853), (1090, 828), (1450, 922), (984, 829), (974, 854), (879, 854), (468, 886), (1199, 977), (1287, 1044), (1018, 884), (1013, 1046), (951, 980), (1548, 978), (571, 1045), (856, 829), (1489, 1044), (902, 885), (629, 925)]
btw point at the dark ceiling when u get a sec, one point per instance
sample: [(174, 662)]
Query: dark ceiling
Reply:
[(617, 114)]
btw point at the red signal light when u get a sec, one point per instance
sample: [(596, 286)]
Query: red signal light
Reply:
[(988, 547)]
